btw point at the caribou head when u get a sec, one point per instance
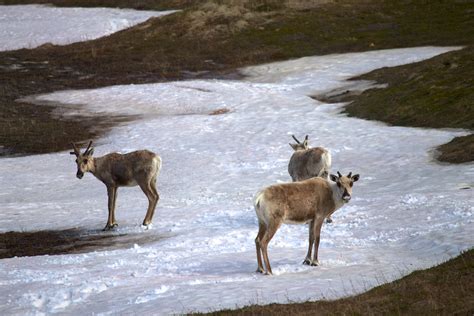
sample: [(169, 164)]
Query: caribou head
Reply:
[(299, 145), (84, 161), (344, 184)]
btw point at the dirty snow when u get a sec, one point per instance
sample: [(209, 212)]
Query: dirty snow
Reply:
[(407, 213), (29, 26)]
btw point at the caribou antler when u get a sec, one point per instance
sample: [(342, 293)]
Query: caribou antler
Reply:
[(295, 139), (339, 174), (88, 148), (350, 174), (76, 150)]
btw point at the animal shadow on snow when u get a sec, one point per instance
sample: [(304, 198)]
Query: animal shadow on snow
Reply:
[(68, 241)]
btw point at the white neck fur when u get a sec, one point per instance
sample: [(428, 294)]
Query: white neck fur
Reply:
[(336, 194)]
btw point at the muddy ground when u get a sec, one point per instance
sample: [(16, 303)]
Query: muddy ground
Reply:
[(69, 241)]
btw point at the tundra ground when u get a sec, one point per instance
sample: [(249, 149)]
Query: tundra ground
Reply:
[(213, 39)]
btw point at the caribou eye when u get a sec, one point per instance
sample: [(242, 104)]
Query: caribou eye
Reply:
[(351, 184), (338, 184), (76, 161)]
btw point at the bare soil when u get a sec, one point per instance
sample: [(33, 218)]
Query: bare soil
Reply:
[(74, 240)]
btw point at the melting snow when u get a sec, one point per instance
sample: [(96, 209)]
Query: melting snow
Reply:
[(29, 26), (407, 212)]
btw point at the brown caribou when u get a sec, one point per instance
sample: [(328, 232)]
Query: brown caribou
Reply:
[(115, 170), (309, 201), (309, 162)]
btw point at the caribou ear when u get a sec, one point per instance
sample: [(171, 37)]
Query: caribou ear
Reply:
[(305, 144), (355, 177), (333, 177), (90, 152)]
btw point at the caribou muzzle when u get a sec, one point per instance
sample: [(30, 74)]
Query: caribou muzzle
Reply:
[(346, 197)]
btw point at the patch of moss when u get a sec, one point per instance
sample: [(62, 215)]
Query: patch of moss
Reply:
[(459, 150)]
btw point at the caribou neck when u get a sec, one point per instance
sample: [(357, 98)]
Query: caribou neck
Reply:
[(336, 194), (96, 165)]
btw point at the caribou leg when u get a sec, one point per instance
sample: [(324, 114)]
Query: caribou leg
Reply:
[(307, 260), (261, 231), (318, 223), (112, 195), (152, 195), (268, 235)]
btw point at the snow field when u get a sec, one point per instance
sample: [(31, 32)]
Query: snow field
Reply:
[(30, 26)]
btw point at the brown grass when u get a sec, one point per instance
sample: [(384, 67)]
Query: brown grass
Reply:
[(219, 111), (459, 150)]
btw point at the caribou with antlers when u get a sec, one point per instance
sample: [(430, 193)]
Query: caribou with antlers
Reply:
[(306, 162), (115, 170), (309, 201)]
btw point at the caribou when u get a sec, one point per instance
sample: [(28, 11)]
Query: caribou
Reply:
[(309, 201), (116, 170), (306, 162)]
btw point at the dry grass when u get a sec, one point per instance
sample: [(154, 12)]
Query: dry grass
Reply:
[(220, 111), (459, 150), (225, 19)]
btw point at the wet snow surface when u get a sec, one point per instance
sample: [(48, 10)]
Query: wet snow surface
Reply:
[(407, 212), (29, 26)]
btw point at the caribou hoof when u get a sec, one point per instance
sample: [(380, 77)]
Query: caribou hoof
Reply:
[(110, 227), (310, 262), (147, 226), (268, 273), (329, 220), (260, 270)]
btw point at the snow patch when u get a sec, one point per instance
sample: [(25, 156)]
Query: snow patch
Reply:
[(29, 26)]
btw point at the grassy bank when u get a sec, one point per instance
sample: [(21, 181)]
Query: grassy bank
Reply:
[(435, 93), (206, 40), (447, 289)]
